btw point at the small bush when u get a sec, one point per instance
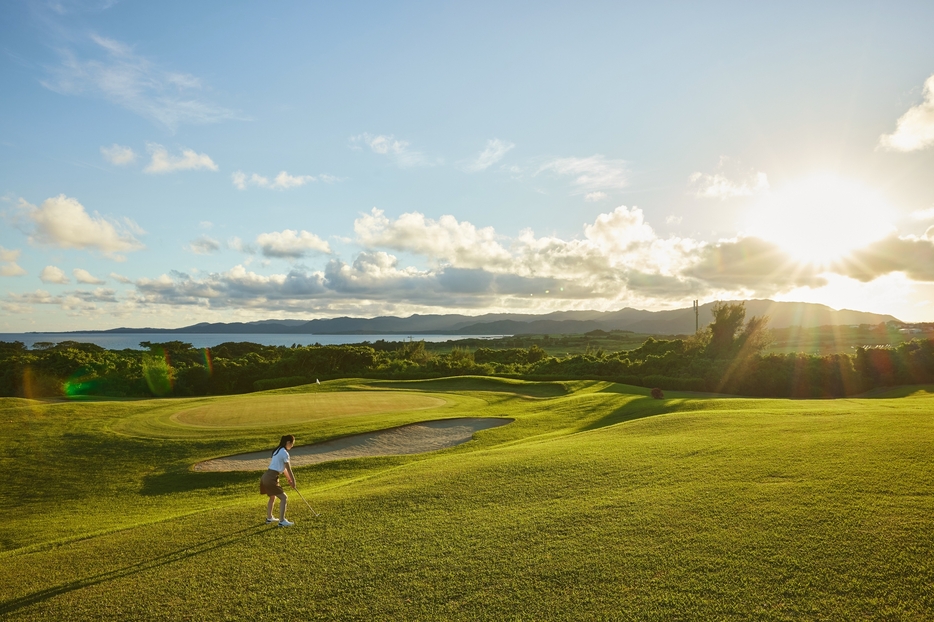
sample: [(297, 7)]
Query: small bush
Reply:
[(657, 393)]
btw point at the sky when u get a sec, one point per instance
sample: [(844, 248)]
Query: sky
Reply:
[(163, 164)]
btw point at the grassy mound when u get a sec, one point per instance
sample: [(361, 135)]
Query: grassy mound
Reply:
[(599, 503), (265, 410)]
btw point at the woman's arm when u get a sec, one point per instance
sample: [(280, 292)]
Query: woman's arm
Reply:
[(289, 474)]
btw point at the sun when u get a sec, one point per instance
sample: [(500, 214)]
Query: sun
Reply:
[(821, 218)]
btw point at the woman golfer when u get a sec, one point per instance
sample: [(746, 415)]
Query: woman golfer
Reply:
[(269, 482)]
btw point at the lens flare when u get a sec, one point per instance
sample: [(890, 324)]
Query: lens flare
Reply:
[(821, 218), (208, 362), (82, 382), (157, 370), (37, 385)]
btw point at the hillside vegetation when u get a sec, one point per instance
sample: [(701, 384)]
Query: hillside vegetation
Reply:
[(728, 356)]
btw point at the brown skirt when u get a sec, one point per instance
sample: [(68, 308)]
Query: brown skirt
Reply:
[(269, 484)]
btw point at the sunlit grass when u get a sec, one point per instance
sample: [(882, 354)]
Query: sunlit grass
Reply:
[(597, 503)]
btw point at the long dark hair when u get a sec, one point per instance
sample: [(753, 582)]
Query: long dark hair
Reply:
[(288, 438)]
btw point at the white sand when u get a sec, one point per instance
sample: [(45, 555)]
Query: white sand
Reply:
[(415, 438)]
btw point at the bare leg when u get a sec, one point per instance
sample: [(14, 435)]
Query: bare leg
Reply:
[(272, 500), (283, 501)]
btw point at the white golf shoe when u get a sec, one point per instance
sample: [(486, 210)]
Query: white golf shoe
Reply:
[(285, 523)]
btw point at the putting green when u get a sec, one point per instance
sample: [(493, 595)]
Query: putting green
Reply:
[(282, 409)]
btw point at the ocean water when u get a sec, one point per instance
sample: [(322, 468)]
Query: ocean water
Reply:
[(131, 341)]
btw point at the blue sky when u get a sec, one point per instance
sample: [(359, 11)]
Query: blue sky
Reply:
[(167, 163)]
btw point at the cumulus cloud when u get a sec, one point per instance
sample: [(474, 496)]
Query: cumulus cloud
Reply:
[(593, 197), (445, 240), (237, 287), (204, 245), (616, 260), (729, 181), (282, 181), (593, 174), (63, 222), (752, 264), (913, 256), (291, 244), (914, 130), (118, 155), (239, 245), (162, 162), (111, 70), (83, 276), (8, 265), (53, 274), (495, 150), (73, 302), (399, 150)]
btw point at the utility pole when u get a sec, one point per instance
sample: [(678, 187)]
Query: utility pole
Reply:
[(696, 317)]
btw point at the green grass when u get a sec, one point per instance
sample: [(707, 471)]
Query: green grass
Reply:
[(597, 502), (285, 410)]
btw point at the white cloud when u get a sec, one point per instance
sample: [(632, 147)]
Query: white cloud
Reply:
[(63, 222), (162, 162), (291, 244), (120, 278), (53, 274), (673, 220), (239, 245), (83, 276), (8, 255), (239, 180), (730, 180), (112, 70), (495, 150), (11, 269), (445, 240), (595, 173), (118, 155), (282, 181), (923, 214), (204, 245), (8, 265), (593, 197), (390, 146), (914, 129), (73, 302)]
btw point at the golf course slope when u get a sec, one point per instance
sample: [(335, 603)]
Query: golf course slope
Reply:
[(597, 502)]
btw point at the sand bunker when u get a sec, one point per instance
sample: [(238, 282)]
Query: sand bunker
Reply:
[(415, 438)]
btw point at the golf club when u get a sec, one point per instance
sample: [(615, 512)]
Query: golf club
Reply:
[(306, 501)]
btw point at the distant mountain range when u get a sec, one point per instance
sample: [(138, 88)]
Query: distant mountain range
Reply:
[(673, 322)]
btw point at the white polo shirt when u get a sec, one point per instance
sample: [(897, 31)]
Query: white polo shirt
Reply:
[(279, 461)]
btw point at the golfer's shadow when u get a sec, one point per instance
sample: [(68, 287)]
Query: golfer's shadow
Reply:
[(212, 544)]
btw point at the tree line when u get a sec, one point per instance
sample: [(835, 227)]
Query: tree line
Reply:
[(727, 357)]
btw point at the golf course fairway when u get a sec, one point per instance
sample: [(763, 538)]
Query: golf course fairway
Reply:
[(596, 502)]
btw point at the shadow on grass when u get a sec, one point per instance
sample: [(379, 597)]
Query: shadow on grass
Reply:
[(182, 480), (478, 383), (639, 408), (916, 390), (15, 604)]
